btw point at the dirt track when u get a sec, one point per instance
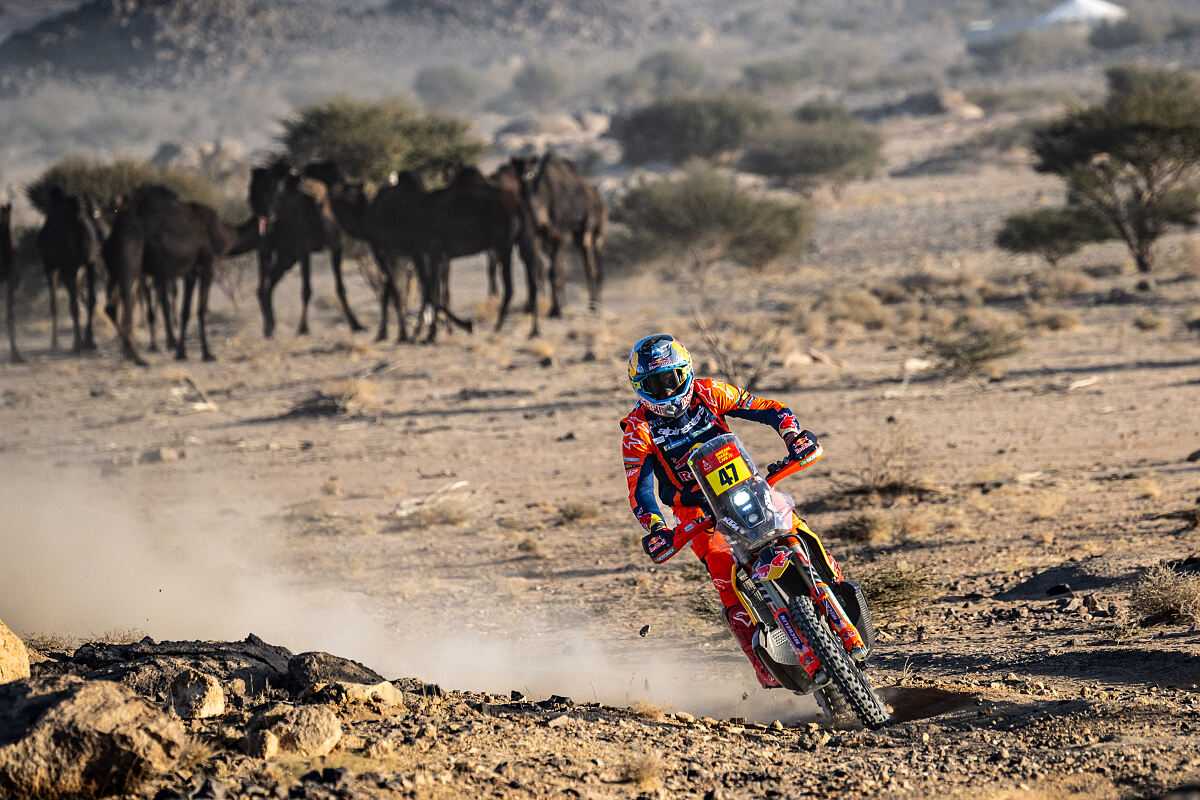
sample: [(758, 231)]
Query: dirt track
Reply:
[(1064, 461)]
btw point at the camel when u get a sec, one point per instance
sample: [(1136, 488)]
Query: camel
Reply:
[(9, 275), (157, 235), (295, 221), (69, 241), (565, 207)]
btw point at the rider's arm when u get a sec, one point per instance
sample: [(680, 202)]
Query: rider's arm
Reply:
[(638, 456), (729, 400)]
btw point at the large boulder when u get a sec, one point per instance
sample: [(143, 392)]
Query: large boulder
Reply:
[(149, 667), (14, 658), (196, 695), (66, 737), (306, 731), (309, 669)]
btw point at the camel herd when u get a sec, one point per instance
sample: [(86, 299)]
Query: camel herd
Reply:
[(151, 240)]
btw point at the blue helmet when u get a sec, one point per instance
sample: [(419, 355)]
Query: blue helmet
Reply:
[(660, 371)]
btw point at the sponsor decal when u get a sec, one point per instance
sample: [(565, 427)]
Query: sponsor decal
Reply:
[(741, 618), (630, 473), (657, 542), (785, 622), (731, 523), (721, 584)]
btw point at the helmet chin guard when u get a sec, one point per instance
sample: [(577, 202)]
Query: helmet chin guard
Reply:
[(660, 371)]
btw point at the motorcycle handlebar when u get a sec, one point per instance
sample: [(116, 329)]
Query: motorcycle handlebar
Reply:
[(786, 466)]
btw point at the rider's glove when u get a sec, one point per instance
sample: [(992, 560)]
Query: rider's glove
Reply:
[(803, 446), (658, 543)]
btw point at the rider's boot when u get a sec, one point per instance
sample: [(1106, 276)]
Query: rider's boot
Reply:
[(743, 630)]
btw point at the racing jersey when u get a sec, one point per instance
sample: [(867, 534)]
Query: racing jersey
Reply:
[(655, 447)]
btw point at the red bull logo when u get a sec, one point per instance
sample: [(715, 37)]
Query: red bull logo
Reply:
[(765, 569)]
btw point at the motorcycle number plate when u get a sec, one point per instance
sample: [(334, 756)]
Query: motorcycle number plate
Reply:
[(728, 475)]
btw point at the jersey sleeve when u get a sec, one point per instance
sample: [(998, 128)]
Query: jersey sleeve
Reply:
[(729, 400), (638, 456)]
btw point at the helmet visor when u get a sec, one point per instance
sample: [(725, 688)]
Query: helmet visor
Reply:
[(664, 385)]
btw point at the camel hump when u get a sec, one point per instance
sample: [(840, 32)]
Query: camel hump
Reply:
[(469, 177), (325, 171), (410, 181)]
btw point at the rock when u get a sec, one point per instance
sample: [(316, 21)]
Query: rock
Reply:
[(66, 737), (14, 658), (559, 721), (1194, 456), (157, 455), (1059, 588), (344, 693), (195, 695), (149, 667), (685, 717), (262, 744), (308, 731), (307, 669)]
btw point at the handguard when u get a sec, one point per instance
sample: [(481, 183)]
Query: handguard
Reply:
[(663, 544)]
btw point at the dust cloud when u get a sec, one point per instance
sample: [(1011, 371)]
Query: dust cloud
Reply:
[(84, 555)]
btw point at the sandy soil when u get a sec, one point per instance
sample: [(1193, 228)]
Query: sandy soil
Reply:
[(464, 520)]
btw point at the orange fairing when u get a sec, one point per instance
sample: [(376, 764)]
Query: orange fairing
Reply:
[(795, 466)]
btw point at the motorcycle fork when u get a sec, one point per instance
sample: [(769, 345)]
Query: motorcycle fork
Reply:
[(776, 603), (823, 596)]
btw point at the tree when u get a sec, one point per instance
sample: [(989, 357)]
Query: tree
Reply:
[(681, 128), (371, 138), (1134, 160), (1052, 233), (107, 180), (821, 145)]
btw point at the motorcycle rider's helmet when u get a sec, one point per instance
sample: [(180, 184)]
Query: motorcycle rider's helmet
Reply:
[(660, 371)]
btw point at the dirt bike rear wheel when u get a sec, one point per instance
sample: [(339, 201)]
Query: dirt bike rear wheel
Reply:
[(845, 675)]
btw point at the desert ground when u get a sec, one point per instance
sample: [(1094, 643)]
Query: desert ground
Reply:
[(456, 515)]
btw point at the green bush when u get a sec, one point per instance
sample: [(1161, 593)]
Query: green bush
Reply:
[(450, 86), (705, 214), (820, 111), (1027, 50), (540, 86), (1124, 33), (370, 138), (763, 76), (106, 180), (810, 152), (1052, 233), (678, 129)]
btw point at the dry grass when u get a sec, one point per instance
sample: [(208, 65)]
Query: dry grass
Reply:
[(444, 513), (195, 752), (1057, 284), (871, 527), (886, 466), (577, 512), (355, 395), (858, 306), (741, 347), (1164, 596), (46, 642), (1047, 506), (650, 711), (1045, 319), (1147, 320), (122, 636), (1149, 488), (332, 486), (894, 588), (531, 547), (967, 351), (318, 518), (645, 772), (912, 526)]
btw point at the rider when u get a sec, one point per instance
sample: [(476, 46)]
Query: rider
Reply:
[(676, 412)]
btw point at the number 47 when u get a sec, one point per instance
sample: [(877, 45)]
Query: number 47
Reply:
[(728, 476)]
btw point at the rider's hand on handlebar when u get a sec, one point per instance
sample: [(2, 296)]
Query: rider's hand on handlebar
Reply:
[(802, 445)]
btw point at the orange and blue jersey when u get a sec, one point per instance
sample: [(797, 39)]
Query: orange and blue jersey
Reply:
[(656, 448)]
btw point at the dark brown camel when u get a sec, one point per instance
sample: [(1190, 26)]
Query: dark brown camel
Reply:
[(9, 275), (159, 236), (565, 208), (69, 242), (295, 220)]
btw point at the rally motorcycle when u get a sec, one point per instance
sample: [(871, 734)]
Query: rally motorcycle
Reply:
[(811, 636)]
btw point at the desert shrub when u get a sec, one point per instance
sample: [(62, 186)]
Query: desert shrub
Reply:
[(886, 467), (575, 512), (1138, 28), (891, 587), (678, 129), (839, 151), (1147, 320), (1027, 51), (451, 86), (644, 772), (777, 73), (821, 111), (968, 348), (1164, 595), (742, 349), (1022, 98), (1052, 320), (858, 306), (670, 72), (540, 86), (649, 711), (371, 138), (872, 527), (1052, 233), (531, 547), (706, 215), (106, 180)]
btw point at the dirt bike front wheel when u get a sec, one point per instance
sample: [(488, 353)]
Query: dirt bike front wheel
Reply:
[(849, 680)]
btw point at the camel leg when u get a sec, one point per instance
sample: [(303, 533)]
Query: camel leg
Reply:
[(587, 249), (505, 261), (89, 339), (533, 268), (433, 292), (168, 313), (335, 260), (123, 295), (10, 303), (72, 287), (557, 279), (266, 285), (492, 269), (206, 275), (52, 285), (305, 291), (389, 288), (404, 290), (189, 285), (147, 300)]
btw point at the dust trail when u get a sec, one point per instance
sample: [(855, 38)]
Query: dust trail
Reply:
[(81, 555)]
